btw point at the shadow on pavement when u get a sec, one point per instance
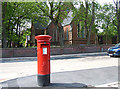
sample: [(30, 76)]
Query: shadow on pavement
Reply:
[(75, 85), (47, 87), (27, 84)]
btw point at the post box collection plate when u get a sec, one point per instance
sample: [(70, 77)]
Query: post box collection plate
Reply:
[(44, 51)]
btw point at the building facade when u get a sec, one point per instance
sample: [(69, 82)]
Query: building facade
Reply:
[(73, 35)]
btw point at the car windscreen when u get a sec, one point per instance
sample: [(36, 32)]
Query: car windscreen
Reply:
[(117, 45)]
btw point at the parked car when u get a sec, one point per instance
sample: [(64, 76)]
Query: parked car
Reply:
[(114, 51)]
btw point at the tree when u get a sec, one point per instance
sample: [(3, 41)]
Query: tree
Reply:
[(0, 25), (4, 43), (86, 16), (117, 5), (106, 18), (79, 19), (92, 22), (12, 19), (86, 13), (56, 12), (15, 15)]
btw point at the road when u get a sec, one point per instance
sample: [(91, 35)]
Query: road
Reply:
[(69, 63)]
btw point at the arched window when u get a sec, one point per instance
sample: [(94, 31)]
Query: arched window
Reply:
[(55, 35), (80, 30), (67, 35)]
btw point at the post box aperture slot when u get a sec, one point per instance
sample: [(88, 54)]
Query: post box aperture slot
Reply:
[(44, 44)]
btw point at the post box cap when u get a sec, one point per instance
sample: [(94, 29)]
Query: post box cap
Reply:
[(43, 37)]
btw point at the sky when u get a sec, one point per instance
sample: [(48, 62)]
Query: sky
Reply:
[(102, 2), (105, 1)]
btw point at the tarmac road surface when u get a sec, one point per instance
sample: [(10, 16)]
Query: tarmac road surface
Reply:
[(71, 70)]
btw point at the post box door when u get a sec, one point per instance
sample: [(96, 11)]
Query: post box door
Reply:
[(44, 63)]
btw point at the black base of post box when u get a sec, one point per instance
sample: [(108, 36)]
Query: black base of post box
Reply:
[(43, 80)]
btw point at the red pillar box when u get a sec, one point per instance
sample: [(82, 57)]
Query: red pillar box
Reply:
[(43, 59)]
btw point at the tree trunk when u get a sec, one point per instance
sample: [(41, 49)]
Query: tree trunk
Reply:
[(96, 39), (118, 20), (17, 31), (12, 38), (45, 32), (61, 36), (4, 37), (117, 4), (106, 39), (92, 22), (9, 32), (32, 36), (107, 34), (86, 15), (61, 33), (0, 25), (19, 36)]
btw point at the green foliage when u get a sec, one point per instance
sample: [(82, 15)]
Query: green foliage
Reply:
[(79, 14), (56, 12), (12, 36), (106, 17), (24, 35), (17, 14), (0, 32), (83, 15)]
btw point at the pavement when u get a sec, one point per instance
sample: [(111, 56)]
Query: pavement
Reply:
[(54, 57), (74, 71)]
